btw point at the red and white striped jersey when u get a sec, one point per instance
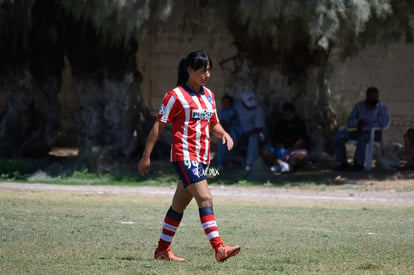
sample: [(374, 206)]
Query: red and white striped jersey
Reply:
[(191, 114)]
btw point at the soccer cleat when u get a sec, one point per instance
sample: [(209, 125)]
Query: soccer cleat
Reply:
[(223, 252), (168, 255)]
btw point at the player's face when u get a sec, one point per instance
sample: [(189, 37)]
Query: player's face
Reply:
[(199, 77)]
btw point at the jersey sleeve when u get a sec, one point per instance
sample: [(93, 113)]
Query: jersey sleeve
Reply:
[(214, 119), (169, 108)]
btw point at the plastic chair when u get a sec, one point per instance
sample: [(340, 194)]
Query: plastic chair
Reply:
[(371, 144)]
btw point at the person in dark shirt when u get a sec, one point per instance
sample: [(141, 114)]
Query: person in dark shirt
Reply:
[(288, 150)]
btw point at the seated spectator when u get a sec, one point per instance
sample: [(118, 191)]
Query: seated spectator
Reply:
[(228, 119), (252, 122), (288, 150), (409, 146), (365, 115)]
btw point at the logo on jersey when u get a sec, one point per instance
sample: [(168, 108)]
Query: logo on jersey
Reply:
[(210, 99), (195, 172), (202, 114), (162, 109)]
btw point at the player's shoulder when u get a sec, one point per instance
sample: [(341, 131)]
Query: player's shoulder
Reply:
[(208, 91), (174, 92)]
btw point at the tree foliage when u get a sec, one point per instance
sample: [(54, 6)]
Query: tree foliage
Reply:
[(119, 19), (286, 41), (345, 24), (114, 21), (15, 20)]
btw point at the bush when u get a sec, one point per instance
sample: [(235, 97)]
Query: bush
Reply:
[(15, 168)]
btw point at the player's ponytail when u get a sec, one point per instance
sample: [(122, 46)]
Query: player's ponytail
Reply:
[(195, 60), (182, 72)]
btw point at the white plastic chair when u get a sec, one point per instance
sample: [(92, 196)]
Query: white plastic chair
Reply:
[(371, 144)]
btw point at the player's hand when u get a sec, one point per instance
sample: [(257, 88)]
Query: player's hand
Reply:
[(227, 139), (144, 165)]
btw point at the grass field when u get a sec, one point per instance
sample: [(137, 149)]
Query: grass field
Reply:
[(88, 233)]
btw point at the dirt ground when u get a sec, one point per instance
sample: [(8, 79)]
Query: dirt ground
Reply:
[(317, 183), (386, 193)]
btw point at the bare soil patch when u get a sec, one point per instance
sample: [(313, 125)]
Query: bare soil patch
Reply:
[(386, 194), (313, 184)]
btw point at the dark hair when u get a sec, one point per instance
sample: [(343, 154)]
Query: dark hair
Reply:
[(195, 60), (229, 97), (289, 107), (372, 90)]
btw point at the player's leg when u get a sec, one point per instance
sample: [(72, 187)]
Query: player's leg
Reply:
[(201, 193), (182, 197)]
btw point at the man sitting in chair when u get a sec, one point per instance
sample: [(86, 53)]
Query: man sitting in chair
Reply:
[(366, 114)]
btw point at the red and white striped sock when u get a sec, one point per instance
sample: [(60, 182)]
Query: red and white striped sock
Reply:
[(171, 222), (208, 222)]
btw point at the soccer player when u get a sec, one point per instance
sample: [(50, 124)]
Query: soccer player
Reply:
[(191, 109)]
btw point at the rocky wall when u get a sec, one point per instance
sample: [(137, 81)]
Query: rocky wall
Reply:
[(389, 68)]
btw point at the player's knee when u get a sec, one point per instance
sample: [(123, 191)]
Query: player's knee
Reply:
[(205, 201)]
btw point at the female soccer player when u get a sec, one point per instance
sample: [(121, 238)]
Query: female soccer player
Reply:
[(191, 109)]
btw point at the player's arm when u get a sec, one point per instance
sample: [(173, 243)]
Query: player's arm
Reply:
[(218, 131), (144, 163)]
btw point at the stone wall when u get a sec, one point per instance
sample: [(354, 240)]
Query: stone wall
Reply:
[(158, 58), (389, 68)]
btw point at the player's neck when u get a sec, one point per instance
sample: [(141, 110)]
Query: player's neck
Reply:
[(193, 86)]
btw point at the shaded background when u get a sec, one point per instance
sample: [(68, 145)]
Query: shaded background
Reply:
[(91, 74)]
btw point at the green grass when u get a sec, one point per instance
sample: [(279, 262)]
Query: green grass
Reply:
[(85, 233), (84, 177), (27, 170)]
